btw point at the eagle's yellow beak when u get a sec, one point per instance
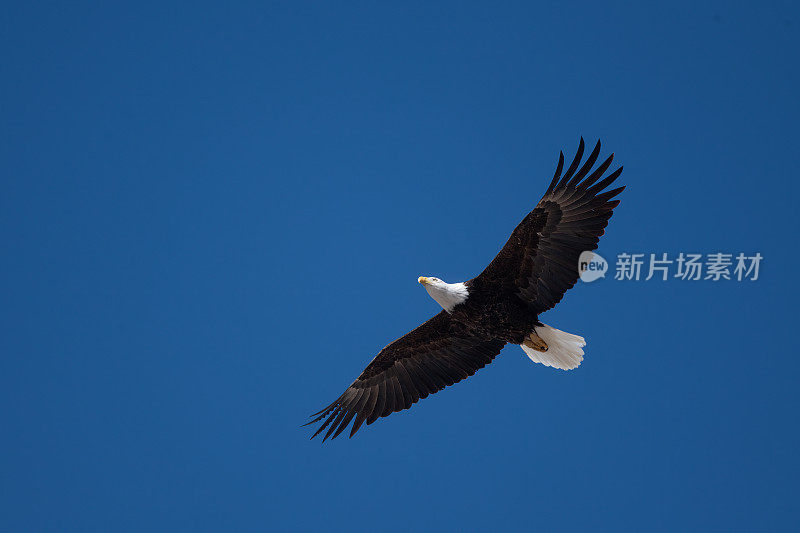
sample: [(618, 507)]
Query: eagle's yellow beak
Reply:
[(423, 280)]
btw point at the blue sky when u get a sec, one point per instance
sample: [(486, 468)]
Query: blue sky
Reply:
[(212, 217)]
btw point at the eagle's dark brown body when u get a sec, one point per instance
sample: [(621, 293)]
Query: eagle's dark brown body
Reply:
[(489, 313)]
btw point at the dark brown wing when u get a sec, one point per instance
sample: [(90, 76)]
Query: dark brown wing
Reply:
[(436, 354), (539, 262)]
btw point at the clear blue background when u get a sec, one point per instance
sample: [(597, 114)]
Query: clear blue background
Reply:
[(212, 217)]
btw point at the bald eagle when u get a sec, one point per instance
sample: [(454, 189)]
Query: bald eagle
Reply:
[(529, 275)]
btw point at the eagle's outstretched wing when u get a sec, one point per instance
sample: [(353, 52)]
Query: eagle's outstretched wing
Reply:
[(539, 263), (436, 354)]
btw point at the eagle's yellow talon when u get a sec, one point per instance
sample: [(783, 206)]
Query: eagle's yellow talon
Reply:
[(535, 342)]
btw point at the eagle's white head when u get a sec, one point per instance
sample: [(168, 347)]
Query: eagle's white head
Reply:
[(448, 295)]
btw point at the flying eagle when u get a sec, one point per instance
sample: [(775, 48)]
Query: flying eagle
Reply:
[(530, 275)]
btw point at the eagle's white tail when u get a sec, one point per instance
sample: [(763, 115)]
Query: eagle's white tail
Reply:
[(564, 350)]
